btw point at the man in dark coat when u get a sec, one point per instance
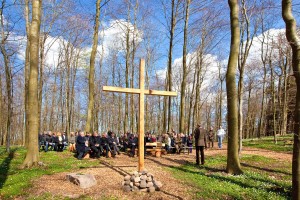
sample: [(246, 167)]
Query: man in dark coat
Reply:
[(104, 144), (133, 143), (200, 142), (81, 145), (95, 141)]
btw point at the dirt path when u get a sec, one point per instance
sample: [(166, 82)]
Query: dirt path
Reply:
[(110, 172)]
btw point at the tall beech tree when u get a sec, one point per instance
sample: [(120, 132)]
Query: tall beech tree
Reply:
[(89, 120), (184, 69), (294, 40), (32, 155), (233, 163)]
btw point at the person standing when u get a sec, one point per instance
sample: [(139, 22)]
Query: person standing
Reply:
[(211, 138), (200, 143), (220, 134)]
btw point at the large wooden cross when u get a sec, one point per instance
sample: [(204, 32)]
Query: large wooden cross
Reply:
[(141, 91)]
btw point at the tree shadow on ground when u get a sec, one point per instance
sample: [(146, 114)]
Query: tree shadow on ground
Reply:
[(4, 167), (265, 169), (221, 175), (116, 168), (184, 163), (276, 188)]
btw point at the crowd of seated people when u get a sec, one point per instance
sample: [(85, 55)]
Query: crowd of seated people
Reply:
[(129, 141), (97, 145), (55, 141)]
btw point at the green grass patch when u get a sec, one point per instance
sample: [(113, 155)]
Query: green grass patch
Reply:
[(284, 143), (259, 181), (14, 182)]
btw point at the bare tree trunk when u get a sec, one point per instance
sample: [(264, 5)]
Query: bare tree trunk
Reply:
[(191, 103), (53, 97), (8, 78), (127, 73), (221, 78), (169, 76), (184, 70), (43, 38), (32, 155), (285, 99), (293, 39), (273, 102), (243, 55), (233, 163), (89, 120)]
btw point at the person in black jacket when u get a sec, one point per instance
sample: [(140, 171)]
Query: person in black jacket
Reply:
[(95, 141), (133, 143), (48, 141), (113, 144), (104, 144), (41, 140), (81, 145), (54, 141)]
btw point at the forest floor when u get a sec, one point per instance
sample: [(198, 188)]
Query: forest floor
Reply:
[(109, 173)]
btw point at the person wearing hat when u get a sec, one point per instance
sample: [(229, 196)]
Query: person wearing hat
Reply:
[(200, 142)]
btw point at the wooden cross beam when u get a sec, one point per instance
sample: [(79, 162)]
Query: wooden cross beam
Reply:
[(141, 91)]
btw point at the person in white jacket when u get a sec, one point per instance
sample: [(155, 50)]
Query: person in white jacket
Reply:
[(220, 134)]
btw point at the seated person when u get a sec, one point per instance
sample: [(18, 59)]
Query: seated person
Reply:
[(153, 138), (104, 144), (72, 142), (48, 141), (183, 139), (41, 140), (82, 145), (190, 143), (125, 141), (167, 141), (113, 144), (60, 144), (178, 143), (64, 139), (95, 141), (54, 141), (173, 149), (132, 143)]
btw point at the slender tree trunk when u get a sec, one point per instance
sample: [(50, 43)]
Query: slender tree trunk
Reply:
[(89, 120), (127, 75), (243, 55), (293, 39), (8, 78), (233, 163), (191, 103), (273, 102), (285, 98), (184, 70), (170, 55), (32, 155), (43, 38), (53, 97), (262, 112)]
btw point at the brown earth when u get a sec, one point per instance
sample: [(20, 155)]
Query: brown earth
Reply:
[(110, 172)]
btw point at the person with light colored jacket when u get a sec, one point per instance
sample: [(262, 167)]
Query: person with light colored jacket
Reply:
[(220, 134)]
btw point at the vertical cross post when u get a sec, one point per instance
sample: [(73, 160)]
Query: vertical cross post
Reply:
[(141, 115), (141, 91)]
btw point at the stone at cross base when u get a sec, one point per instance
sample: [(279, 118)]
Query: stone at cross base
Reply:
[(82, 180)]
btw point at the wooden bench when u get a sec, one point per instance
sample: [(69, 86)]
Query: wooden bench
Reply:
[(185, 149), (157, 152)]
